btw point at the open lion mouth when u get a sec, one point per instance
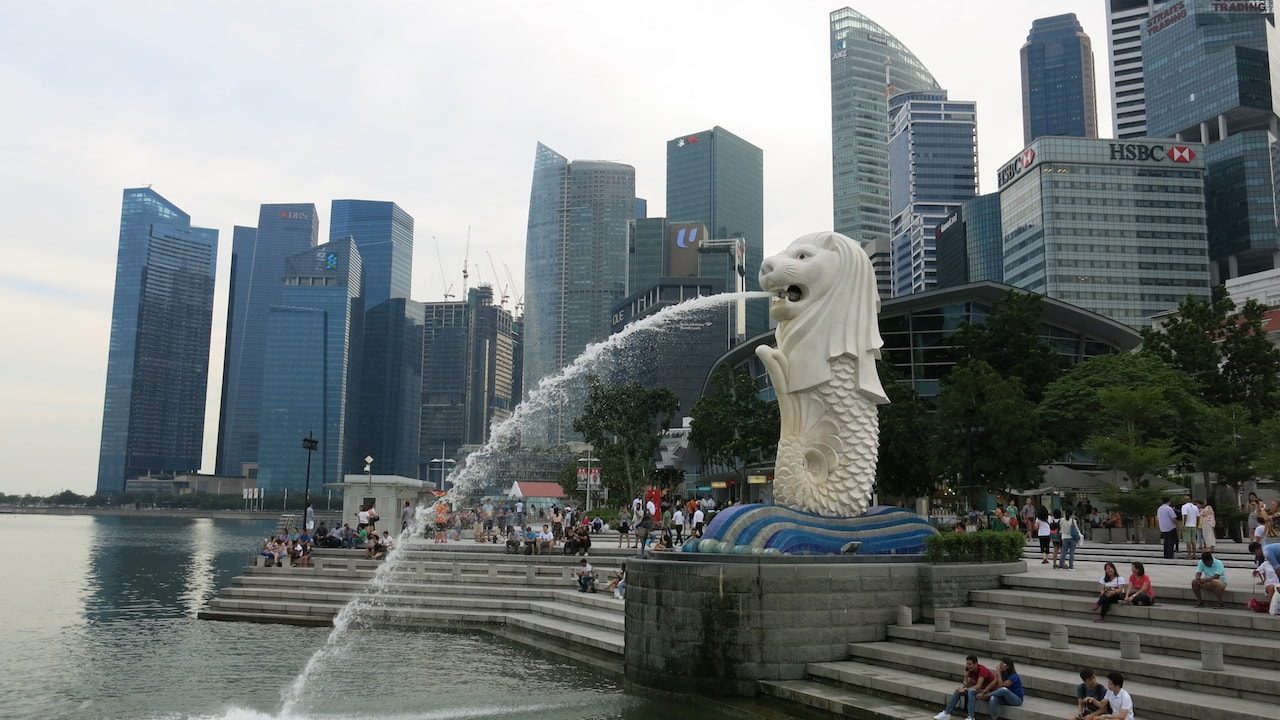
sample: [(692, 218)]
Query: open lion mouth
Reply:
[(792, 293)]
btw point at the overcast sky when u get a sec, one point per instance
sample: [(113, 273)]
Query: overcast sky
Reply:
[(221, 106)]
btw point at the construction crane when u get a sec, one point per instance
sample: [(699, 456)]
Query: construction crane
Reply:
[(443, 281), (512, 283), (466, 261), (505, 295)]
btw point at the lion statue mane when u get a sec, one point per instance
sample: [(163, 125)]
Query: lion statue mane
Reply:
[(823, 370)]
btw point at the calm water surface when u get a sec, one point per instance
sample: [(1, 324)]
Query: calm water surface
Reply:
[(97, 621)]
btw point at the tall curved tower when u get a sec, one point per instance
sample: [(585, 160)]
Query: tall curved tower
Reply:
[(867, 66)]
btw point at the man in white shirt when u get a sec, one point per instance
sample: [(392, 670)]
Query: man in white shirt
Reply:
[(635, 505), (697, 522), (520, 513), (1116, 705), (546, 540), (1168, 520), (1190, 531), (586, 577), (653, 509), (677, 522)]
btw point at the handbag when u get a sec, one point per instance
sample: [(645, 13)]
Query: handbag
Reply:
[(1258, 606)]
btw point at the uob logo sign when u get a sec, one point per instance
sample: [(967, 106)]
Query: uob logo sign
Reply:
[(687, 237)]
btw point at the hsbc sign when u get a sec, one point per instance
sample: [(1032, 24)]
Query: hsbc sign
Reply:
[(1181, 154), (1014, 167)]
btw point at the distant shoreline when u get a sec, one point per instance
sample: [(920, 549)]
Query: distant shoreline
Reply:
[(157, 512)]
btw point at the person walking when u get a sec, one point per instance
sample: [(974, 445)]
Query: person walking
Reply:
[(1167, 519), (1043, 532), (1029, 515), (642, 531), (677, 524), (1071, 537), (1055, 537)]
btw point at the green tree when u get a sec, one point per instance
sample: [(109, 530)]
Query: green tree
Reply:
[(987, 431), (732, 426), (1131, 434), (1251, 366), (1072, 407), (905, 468), (1188, 341), (1011, 342), (1133, 504), (624, 424)]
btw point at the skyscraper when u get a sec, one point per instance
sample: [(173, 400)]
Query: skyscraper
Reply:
[(444, 385), (1124, 42), (575, 262), (1209, 75), (490, 365), (384, 235), (311, 370), (390, 424), (716, 178), (158, 357), (1058, 96), (970, 243), (867, 66), (933, 167), (1116, 227), (646, 246), (257, 267)]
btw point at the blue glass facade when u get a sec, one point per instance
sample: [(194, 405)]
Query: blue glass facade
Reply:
[(716, 178), (970, 245), (933, 167), (158, 357), (1058, 94), (575, 262), (645, 252), (491, 386), (311, 369), (391, 387), (444, 383), (383, 232), (867, 65), (257, 267), (1209, 79)]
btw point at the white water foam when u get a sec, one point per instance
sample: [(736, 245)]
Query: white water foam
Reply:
[(552, 392)]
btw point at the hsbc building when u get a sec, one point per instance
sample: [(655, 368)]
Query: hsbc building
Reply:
[(1112, 226)]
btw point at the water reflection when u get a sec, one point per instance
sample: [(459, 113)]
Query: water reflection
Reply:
[(200, 569)]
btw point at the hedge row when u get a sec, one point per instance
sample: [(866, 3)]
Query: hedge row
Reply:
[(984, 546)]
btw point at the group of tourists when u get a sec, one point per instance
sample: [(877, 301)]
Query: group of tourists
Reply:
[(657, 523), (1003, 686)]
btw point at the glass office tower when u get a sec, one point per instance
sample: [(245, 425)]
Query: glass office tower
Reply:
[(158, 357), (716, 178), (383, 233), (1058, 96), (444, 386), (257, 266), (645, 246), (1124, 43), (867, 66), (933, 167), (575, 263), (970, 245), (390, 400), (1116, 227), (312, 369), (1209, 80), (490, 365)]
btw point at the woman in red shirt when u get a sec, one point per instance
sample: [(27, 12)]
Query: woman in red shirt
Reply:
[(1140, 591)]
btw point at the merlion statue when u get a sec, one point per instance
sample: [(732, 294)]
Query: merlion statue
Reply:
[(824, 372)]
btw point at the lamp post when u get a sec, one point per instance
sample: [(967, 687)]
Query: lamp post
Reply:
[(368, 469), (443, 462), (309, 443), (588, 460)]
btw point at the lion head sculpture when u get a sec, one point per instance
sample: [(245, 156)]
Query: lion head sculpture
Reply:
[(826, 303)]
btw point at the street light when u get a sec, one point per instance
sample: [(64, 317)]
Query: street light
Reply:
[(443, 462), (588, 460), (368, 468), (309, 443)]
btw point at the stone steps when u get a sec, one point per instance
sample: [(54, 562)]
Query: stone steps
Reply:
[(1185, 673), (552, 577), (603, 618), (1057, 684), (1185, 642), (839, 701), (1236, 620), (569, 595), (1165, 594), (925, 693), (1115, 552)]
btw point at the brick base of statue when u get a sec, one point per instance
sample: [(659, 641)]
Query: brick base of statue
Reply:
[(775, 530)]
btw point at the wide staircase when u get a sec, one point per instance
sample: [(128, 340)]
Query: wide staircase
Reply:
[(533, 599), (1235, 556), (911, 673)]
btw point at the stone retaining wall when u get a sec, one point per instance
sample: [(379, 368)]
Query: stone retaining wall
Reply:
[(718, 626)]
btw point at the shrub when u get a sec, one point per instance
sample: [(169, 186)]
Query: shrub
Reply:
[(984, 546)]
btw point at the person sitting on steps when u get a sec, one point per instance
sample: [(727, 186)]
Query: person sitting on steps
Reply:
[(1211, 575), (1116, 704), (1139, 591), (1006, 690), (586, 577), (976, 679), (1089, 695), (1111, 590)]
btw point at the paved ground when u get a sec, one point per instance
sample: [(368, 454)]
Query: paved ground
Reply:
[(1162, 575)]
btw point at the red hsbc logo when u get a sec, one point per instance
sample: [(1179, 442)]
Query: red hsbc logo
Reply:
[(1028, 157), (1015, 166), (1181, 154)]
